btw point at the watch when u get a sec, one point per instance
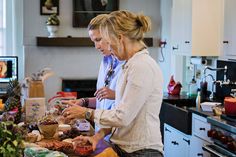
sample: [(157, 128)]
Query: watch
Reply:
[(88, 114)]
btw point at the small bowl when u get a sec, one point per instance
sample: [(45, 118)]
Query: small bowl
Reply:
[(82, 149), (31, 138), (48, 130)]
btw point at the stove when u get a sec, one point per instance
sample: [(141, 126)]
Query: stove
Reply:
[(223, 135)]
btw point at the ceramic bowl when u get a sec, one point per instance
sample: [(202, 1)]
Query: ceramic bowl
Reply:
[(48, 130)]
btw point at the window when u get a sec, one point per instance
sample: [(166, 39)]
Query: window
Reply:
[(11, 30), (10, 14), (2, 27)]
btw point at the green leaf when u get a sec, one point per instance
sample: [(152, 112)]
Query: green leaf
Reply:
[(15, 143), (10, 149)]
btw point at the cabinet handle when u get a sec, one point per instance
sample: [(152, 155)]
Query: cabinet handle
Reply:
[(167, 130), (225, 42), (202, 129), (175, 143), (188, 141), (187, 42), (199, 154), (175, 48)]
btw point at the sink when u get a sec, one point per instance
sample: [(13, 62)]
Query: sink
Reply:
[(177, 116)]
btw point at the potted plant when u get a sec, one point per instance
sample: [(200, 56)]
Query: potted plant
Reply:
[(52, 25), (11, 140)]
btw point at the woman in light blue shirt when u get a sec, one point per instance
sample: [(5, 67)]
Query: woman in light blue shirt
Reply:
[(109, 71)]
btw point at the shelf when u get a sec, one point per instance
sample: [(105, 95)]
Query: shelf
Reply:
[(74, 41)]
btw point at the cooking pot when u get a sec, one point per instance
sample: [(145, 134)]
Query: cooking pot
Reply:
[(230, 106)]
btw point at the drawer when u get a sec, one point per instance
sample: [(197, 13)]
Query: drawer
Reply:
[(200, 127)]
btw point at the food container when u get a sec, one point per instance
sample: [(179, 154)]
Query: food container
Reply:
[(48, 131), (48, 126), (230, 106)]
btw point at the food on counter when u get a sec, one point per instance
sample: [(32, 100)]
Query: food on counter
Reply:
[(33, 136), (68, 140), (64, 127), (56, 145), (30, 137), (42, 152), (35, 151), (82, 148), (47, 120), (72, 133), (218, 110), (48, 126)]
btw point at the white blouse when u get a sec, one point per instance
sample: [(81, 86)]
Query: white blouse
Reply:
[(135, 119)]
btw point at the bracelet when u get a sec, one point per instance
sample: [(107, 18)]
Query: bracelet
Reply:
[(85, 102)]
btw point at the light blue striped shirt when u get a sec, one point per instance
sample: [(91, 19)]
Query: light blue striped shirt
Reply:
[(107, 104)]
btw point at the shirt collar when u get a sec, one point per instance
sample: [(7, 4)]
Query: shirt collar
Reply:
[(126, 64)]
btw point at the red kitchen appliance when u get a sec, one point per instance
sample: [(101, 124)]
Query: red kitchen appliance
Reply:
[(230, 106)]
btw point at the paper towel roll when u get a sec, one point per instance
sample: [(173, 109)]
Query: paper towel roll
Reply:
[(198, 61)]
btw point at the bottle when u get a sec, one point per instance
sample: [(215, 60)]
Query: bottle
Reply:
[(198, 100), (203, 89), (193, 88)]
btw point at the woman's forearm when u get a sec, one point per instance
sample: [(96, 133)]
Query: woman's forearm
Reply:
[(102, 133)]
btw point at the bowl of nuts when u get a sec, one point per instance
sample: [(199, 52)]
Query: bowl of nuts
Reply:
[(48, 126)]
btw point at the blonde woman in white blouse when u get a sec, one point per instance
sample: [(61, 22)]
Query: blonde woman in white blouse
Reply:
[(134, 122)]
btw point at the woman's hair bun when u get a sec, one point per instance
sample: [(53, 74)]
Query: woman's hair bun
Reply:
[(144, 22)]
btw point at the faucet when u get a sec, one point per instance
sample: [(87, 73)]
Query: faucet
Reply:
[(212, 87), (216, 69)]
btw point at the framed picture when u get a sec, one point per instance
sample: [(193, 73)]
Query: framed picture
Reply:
[(48, 7), (85, 10)]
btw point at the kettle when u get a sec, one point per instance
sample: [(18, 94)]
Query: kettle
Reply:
[(230, 106)]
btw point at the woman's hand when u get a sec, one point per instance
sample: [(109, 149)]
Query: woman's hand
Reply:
[(104, 93), (91, 139), (74, 112)]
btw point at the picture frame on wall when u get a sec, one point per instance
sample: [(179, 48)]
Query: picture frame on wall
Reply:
[(48, 7), (85, 10)]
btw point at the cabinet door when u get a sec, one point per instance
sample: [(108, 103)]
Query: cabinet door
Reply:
[(196, 27), (181, 27), (170, 143), (184, 147), (229, 41), (175, 143), (200, 127), (196, 147)]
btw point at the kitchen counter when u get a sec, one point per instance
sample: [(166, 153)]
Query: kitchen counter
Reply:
[(200, 112), (179, 100), (182, 96)]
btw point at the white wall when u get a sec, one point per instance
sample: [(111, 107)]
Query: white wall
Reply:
[(76, 62)]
